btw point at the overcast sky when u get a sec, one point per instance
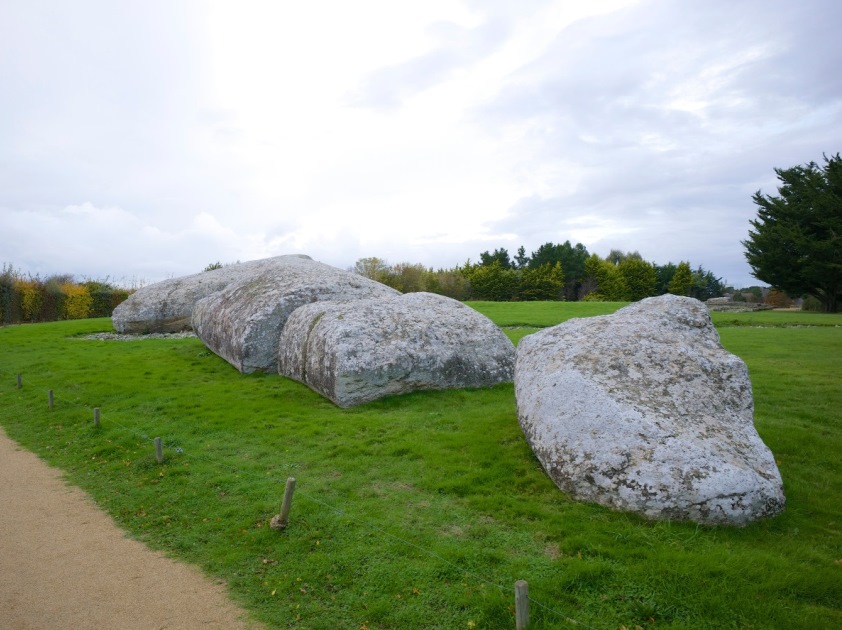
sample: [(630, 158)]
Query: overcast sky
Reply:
[(145, 140)]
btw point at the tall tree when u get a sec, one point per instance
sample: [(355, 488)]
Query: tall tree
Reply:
[(616, 256), (640, 278), (501, 256), (373, 268), (665, 274), (706, 285), (681, 280), (541, 283), (609, 281), (796, 241), (572, 259), (521, 260), (548, 253), (406, 277), (449, 282), (492, 281)]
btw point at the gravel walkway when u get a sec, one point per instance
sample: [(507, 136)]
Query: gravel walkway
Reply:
[(65, 564)]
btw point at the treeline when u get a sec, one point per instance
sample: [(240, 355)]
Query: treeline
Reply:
[(552, 272), (24, 298)]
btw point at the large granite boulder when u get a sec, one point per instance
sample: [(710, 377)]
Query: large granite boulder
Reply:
[(242, 323), (644, 411), (356, 352), (167, 306)]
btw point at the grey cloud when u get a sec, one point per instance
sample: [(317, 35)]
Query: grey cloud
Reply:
[(602, 99), (100, 104), (613, 78)]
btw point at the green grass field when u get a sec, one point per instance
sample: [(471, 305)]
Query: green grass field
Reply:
[(421, 511)]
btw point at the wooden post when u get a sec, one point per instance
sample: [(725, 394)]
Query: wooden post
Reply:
[(280, 521), (50, 398), (19, 384), (521, 605), (287, 504), (159, 450), (96, 416)]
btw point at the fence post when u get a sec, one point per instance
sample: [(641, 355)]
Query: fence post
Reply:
[(280, 521), (50, 398), (96, 416), (159, 450), (19, 384), (521, 605)]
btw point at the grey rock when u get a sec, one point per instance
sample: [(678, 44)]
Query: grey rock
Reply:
[(725, 305), (645, 411), (167, 306), (242, 323), (106, 336), (356, 352)]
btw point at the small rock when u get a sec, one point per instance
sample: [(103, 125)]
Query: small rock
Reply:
[(277, 523)]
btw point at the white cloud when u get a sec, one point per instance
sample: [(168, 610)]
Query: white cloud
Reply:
[(148, 140)]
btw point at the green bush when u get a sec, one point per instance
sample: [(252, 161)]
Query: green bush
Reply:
[(541, 283), (594, 297), (10, 298), (451, 283), (492, 282), (812, 304), (31, 299)]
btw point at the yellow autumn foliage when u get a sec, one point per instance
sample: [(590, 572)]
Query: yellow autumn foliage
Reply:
[(31, 298), (77, 301)]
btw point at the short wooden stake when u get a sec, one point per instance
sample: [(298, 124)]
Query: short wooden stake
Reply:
[(96, 416), (159, 450), (19, 384), (280, 521), (50, 398), (521, 605)]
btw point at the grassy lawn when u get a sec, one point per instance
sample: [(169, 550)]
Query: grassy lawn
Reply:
[(421, 511)]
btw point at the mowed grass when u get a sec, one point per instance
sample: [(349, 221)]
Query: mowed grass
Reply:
[(421, 511)]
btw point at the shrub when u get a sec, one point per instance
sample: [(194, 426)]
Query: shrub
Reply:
[(610, 282), (118, 296), (54, 297), (593, 296), (30, 299), (405, 277), (639, 278), (813, 304), (682, 280), (542, 283), (10, 298), (451, 283), (101, 297), (78, 302), (778, 299), (492, 282)]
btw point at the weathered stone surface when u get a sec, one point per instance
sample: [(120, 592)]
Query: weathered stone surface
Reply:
[(645, 411), (356, 352), (167, 306), (242, 323)]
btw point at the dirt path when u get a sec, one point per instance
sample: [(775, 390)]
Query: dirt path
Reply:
[(65, 564)]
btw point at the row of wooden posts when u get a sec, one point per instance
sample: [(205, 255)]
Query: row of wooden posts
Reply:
[(281, 520)]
